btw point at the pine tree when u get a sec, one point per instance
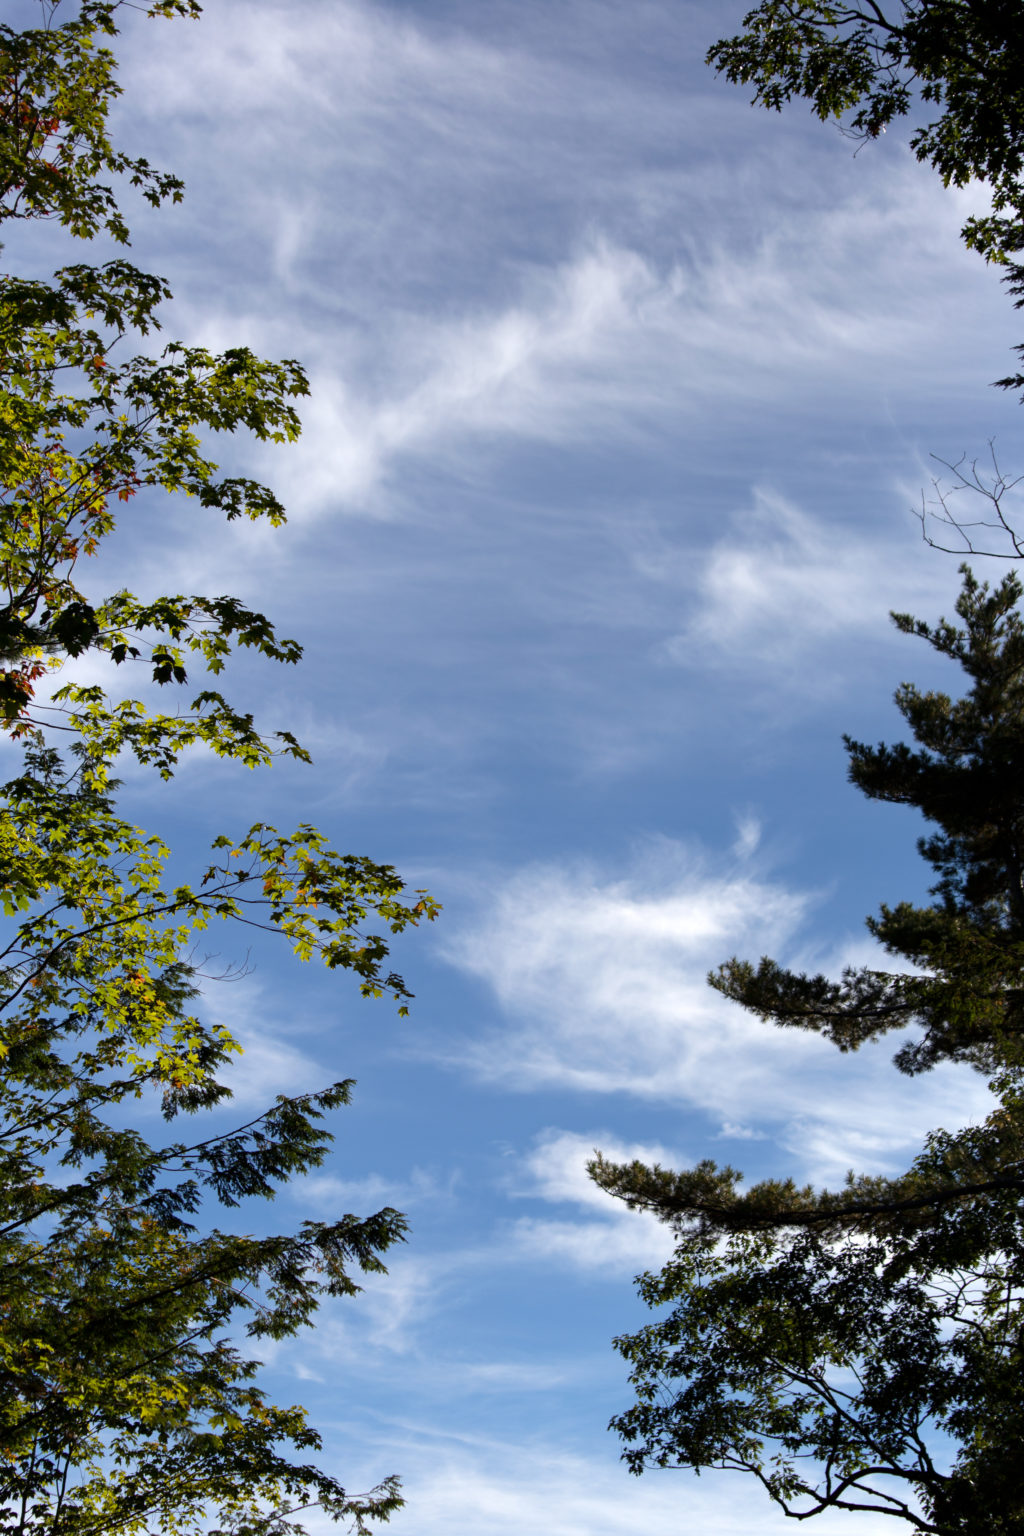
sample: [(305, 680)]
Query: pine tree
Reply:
[(862, 1348)]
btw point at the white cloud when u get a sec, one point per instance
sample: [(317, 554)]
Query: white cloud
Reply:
[(610, 1239), (780, 585), (620, 1248), (268, 1064), (594, 1233), (556, 1169), (748, 835), (513, 1376), (601, 981), (474, 1484), (392, 1315), (608, 344), (374, 1191), (548, 368), (488, 1489), (732, 1132), (465, 251)]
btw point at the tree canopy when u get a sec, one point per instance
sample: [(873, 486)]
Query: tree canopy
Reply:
[(124, 1402), (860, 1348), (958, 63)]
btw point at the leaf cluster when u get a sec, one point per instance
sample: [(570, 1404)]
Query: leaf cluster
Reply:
[(57, 85), (840, 1373), (126, 1403), (869, 64)]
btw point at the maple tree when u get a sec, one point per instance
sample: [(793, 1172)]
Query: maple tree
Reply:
[(123, 1403)]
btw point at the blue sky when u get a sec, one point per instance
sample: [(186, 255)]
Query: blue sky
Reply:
[(623, 395)]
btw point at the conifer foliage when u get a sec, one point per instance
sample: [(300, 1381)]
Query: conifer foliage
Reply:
[(863, 1348), (124, 1404)]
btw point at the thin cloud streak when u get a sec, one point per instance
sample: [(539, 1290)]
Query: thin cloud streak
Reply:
[(601, 981), (607, 346), (781, 587), (609, 327), (463, 1488)]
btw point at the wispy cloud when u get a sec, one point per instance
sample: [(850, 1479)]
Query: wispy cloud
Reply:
[(458, 241), (780, 586), (601, 981), (269, 1064), (391, 1321), (601, 1237), (463, 1487), (606, 343), (421, 1185)]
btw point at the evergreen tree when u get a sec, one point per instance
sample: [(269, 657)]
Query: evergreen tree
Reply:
[(862, 1348)]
